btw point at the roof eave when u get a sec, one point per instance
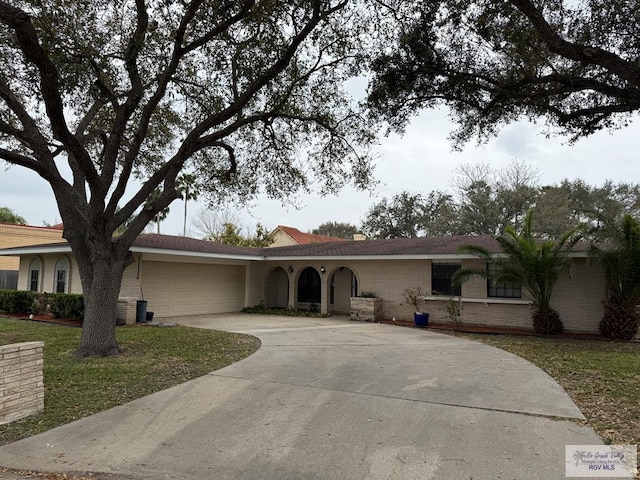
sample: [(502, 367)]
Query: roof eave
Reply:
[(191, 253), (14, 252)]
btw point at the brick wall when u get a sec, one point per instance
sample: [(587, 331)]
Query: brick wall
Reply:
[(23, 235), (577, 298), (21, 383), (366, 309)]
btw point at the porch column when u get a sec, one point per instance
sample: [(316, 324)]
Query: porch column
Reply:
[(292, 289), (324, 291)]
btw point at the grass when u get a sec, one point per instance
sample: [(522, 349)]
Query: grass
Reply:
[(152, 359), (602, 378)]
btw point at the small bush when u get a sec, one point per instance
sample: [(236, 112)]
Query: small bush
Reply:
[(365, 294), (67, 305), (41, 304), (16, 301)]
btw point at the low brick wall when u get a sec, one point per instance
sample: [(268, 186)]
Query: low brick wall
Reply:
[(366, 309), (126, 311), (21, 383)]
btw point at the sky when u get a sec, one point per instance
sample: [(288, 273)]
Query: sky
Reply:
[(421, 160)]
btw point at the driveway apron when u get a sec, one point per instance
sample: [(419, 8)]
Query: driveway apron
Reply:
[(330, 399)]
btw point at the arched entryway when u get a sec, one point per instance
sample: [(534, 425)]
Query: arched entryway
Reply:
[(309, 289), (278, 288), (343, 284)]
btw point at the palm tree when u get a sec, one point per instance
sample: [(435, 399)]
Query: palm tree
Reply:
[(531, 263), (186, 185), (162, 214), (621, 263)]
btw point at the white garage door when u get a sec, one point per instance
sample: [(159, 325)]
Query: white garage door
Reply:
[(191, 289)]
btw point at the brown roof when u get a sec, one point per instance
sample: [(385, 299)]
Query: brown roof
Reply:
[(171, 242), (302, 238), (396, 246), (393, 246), (58, 226)]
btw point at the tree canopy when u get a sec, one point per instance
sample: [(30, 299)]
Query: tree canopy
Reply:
[(571, 64), (487, 201), (401, 216), (9, 216), (336, 229), (144, 90), (232, 235)]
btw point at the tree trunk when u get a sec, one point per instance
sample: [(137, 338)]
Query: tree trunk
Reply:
[(101, 281)]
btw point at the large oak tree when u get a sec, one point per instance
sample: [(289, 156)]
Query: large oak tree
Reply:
[(245, 95), (571, 64)]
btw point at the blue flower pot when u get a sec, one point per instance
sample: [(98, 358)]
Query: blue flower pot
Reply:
[(421, 319)]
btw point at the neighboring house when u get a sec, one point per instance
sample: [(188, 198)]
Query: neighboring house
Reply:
[(12, 235), (184, 276), (285, 236)]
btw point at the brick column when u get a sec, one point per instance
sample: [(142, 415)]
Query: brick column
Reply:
[(21, 382)]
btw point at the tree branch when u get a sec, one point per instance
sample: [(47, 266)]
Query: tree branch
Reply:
[(31, 132), (582, 53), (29, 44)]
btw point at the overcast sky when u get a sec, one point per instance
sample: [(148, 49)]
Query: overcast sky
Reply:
[(420, 161)]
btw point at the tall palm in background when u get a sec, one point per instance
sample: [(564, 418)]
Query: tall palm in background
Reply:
[(187, 187), (531, 263), (621, 262)]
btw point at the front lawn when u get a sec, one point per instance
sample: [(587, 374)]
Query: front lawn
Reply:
[(152, 359), (602, 378)]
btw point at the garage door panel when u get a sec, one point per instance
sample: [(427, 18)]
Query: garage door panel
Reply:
[(191, 289)]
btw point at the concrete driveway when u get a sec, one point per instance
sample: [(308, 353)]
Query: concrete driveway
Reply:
[(330, 399)]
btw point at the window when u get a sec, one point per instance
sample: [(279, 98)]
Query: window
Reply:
[(34, 275), (502, 289), (309, 286), (61, 276), (441, 274)]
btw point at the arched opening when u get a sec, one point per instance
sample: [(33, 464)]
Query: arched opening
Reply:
[(278, 288), (343, 284), (309, 288)]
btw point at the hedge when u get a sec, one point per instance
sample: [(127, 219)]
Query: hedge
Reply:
[(61, 305), (16, 301)]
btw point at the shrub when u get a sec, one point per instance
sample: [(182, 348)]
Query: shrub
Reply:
[(285, 312), (16, 301), (67, 305), (365, 294), (547, 322), (41, 304), (620, 322)]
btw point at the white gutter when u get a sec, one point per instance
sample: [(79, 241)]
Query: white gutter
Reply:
[(289, 258), (14, 252), (190, 253)]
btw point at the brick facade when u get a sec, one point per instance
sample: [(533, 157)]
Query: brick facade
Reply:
[(578, 297), (23, 235), (21, 381), (202, 277)]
